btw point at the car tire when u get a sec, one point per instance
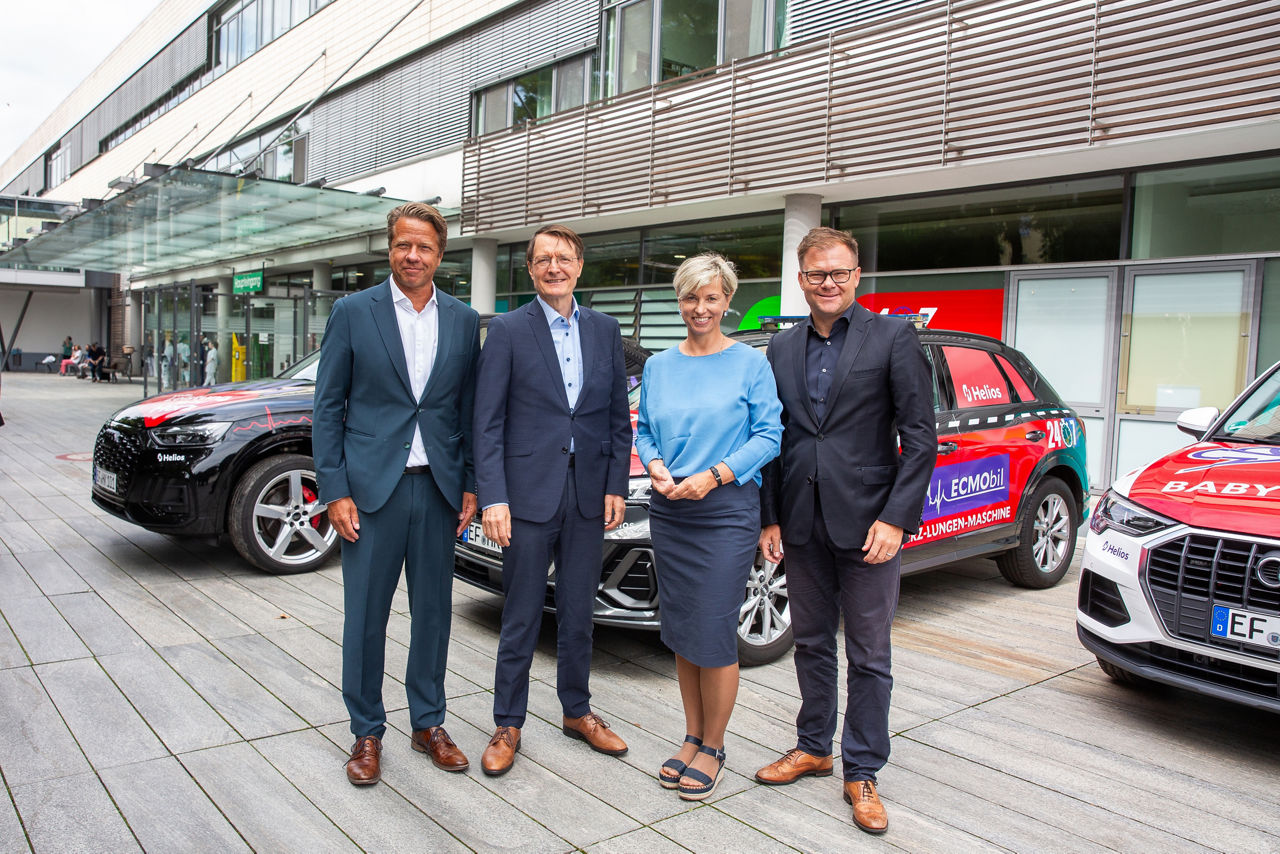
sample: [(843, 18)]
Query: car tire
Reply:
[(1047, 540), (764, 620), (276, 520), (1119, 674)]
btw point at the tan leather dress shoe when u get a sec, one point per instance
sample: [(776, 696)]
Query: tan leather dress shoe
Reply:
[(445, 755), (364, 768), (592, 729), (868, 812), (500, 755), (794, 764)]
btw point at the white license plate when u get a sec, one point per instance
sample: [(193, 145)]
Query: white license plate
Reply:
[(474, 535), (1246, 626), (105, 479)]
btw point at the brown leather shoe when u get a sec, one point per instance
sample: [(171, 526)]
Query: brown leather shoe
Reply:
[(868, 812), (364, 768), (445, 755), (592, 729), (792, 766), (500, 755)]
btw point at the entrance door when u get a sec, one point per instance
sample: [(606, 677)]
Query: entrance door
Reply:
[(274, 339), (1184, 342), (1063, 321)]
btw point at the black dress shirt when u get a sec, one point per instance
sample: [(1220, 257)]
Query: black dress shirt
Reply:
[(820, 357)]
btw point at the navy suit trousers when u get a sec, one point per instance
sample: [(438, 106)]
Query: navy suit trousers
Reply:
[(414, 529), (826, 582), (575, 543)]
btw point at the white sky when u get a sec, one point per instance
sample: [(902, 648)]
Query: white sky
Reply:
[(48, 47)]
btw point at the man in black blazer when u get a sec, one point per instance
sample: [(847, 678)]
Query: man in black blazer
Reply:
[(840, 501), (553, 446), (391, 437)]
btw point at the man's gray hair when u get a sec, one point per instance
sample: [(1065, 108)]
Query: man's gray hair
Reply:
[(702, 270)]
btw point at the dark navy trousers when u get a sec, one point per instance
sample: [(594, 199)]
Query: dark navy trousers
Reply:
[(826, 582), (575, 544), (414, 529)]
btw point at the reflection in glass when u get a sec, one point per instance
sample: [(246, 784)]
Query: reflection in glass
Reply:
[(531, 96), (688, 36), (611, 260), (744, 28), (1051, 311), (754, 244), (635, 55)]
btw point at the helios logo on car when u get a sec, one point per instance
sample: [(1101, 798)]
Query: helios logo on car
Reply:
[(171, 458), (1116, 551)]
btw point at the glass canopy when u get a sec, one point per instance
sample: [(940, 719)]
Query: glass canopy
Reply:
[(189, 218)]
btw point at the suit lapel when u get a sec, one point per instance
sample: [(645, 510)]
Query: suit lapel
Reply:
[(587, 338), (859, 328), (384, 315), (445, 332), (798, 351), (542, 335)]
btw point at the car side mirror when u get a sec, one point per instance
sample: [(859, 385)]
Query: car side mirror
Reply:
[(1195, 422)]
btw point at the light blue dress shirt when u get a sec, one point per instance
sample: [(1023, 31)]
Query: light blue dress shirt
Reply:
[(567, 339), (696, 411)]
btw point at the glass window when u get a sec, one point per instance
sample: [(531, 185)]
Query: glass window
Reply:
[(1054, 223), (611, 261), (744, 28), (1184, 341), (1207, 210), (689, 29), (531, 96), (969, 302), (635, 53), (453, 276), (1269, 317), (976, 379), (571, 83), (1054, 312), (754, 244), (1020, 386)]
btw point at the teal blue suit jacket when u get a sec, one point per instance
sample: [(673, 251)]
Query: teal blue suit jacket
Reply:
[(365, 411)]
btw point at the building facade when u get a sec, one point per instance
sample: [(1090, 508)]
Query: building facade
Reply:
[(1094, 181)]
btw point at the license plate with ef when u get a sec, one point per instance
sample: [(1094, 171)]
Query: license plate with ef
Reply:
[(474, 536), (1245, 626)]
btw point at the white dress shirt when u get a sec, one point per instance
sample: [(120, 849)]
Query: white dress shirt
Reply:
[(419, 335)]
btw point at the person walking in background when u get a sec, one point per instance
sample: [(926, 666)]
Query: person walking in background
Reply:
[(709, 419), (211, 363), (840, 501), (553, 446), (391, 434)]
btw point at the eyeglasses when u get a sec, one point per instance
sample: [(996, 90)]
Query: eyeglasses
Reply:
[(542, 262), (817, 277)]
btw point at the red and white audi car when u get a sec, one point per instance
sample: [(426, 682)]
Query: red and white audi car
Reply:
[(1181, 569)]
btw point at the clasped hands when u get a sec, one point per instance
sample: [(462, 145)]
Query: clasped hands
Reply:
[(694, 487)]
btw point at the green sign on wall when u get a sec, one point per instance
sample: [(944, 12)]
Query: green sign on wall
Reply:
[(247, 283)]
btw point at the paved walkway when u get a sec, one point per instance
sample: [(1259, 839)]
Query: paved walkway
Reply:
[(159, 694)]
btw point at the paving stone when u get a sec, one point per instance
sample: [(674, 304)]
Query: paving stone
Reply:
[(314, 649), (270, 814), (21, 537), (243, 603), (95, 568), (108, 729), (642, 841), (241, 701), (182, 719), (288, 599), (197, 610), (376, 818), (15, 583), (100, 628), (72, 814), (12, 837), (44, 635), (48, 570), (166, 810), (148, 616), (59, 534), (11, 653), (309, 696), (709, 829)]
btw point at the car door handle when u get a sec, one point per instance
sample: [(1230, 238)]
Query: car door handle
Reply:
[(1035, 435), (947, 448)]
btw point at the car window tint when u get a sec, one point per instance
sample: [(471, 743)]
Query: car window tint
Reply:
[(975, 377), (1019, 383), (933, 377)]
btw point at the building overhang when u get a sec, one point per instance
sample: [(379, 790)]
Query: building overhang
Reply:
[(187, 218)]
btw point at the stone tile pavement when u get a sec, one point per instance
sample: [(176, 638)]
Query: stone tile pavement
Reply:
[(159, 694)]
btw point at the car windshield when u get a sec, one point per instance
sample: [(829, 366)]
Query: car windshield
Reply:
[(1256, 418), (303, 369)]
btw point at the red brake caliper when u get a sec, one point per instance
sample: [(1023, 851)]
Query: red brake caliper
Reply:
[(310, 495)]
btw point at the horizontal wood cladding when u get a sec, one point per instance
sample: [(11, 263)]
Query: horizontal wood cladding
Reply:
[(924, 84)]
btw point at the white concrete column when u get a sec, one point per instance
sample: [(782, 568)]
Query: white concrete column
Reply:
[(803, 211), (224, 329), (484, 275), (322, 275)]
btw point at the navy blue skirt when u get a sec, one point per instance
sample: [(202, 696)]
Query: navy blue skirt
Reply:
[(703, 552)]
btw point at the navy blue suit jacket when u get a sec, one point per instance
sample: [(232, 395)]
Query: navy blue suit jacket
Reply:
[(365, 411), (523, 423), (882, 393)]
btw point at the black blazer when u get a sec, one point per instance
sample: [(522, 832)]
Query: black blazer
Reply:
[(523, 423), (882, 393)]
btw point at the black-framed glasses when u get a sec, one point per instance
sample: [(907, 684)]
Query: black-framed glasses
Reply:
[(817, 277)]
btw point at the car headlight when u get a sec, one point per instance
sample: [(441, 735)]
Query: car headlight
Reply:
[(1125, 516), (190, 435)]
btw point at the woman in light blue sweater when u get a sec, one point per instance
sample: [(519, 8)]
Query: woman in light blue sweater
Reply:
[(709, 420)]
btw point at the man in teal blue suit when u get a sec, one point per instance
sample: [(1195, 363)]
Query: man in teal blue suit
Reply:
[(391, 437)]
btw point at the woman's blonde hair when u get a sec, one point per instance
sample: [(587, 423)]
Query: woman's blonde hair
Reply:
[(701, 270)]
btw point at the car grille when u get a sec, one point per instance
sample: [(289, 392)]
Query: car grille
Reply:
[(1100, 598), (1187, 576), (118, 450), (1205, 668)]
